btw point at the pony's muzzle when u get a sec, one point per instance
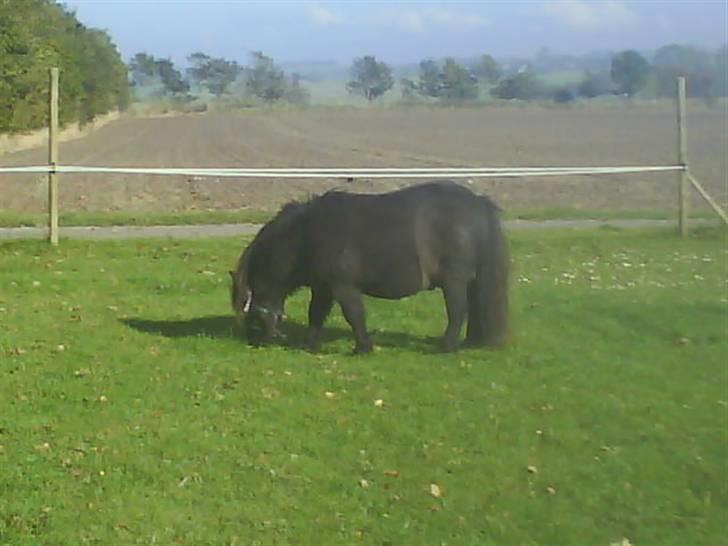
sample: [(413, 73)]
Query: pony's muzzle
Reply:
[(261, 324)]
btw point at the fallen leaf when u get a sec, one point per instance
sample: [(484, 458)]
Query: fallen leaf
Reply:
[(392, 473)]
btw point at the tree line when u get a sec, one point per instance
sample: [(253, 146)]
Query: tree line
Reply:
[(629, 74), (262, 79), (38, 34)]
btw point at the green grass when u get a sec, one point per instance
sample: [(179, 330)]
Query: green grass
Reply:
[(132, 412), (254, 216)]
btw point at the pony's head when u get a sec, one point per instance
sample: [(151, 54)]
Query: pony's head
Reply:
[(256, 301), (262, 280), (265, 311)]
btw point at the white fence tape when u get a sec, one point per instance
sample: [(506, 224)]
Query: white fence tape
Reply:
[(383, 172)]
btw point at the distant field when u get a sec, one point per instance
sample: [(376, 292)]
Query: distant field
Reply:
[(491, 135), (133, 412)]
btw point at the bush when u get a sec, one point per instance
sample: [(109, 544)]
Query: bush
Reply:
[(38, 34), (563, 95), (522, 86)]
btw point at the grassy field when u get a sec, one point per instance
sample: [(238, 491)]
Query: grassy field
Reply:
[(132, 411)]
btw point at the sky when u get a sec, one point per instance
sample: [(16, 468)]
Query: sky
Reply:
[(400, 32)]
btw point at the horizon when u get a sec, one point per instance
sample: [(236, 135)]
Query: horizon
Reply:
[(400, 33)]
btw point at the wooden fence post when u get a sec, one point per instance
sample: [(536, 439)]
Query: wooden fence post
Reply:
[(682, 158), (53, 158)]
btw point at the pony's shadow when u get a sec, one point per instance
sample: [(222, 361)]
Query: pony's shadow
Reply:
[(226, 327)]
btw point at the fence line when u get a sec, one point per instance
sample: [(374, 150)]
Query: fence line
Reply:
[(333, 172), (53, 168)]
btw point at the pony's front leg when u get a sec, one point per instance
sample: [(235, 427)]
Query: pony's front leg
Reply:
[(321, 302), (456, 302), (352, 306)]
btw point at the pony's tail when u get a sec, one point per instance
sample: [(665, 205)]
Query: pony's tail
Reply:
[(488, 301)]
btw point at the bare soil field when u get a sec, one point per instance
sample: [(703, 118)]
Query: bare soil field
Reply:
[(625, 134)]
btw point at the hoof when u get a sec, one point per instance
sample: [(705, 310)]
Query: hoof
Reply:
[(474, 342), (312, 345), (447, 346), (363, 349)]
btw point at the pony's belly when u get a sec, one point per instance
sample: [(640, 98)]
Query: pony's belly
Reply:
[(390, 292), (399, 284)]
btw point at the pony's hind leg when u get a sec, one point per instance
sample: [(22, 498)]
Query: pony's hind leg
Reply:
[(456, 302), (352, 306), (321, 302), (474, 335)]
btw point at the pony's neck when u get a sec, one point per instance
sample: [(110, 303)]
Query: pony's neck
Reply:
[(283, 236)]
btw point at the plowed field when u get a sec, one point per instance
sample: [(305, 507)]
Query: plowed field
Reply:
[(640, 134)]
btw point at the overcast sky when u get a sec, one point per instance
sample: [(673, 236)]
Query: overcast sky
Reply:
[(400, 31)]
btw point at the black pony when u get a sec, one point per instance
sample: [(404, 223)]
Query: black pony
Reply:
[(342, 245)]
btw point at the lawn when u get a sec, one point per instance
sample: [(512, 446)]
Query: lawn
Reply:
[(133, 412)]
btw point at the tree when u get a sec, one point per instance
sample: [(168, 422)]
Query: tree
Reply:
[(142, 67), (563, 95), (36, 34), (458, 83), (105, 79), (523, 86), (171, 78), (594, 84), (370, 78), (487, 69), (215, 74), (264, 79), (629, 72), (696, 65), (430, 81)]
